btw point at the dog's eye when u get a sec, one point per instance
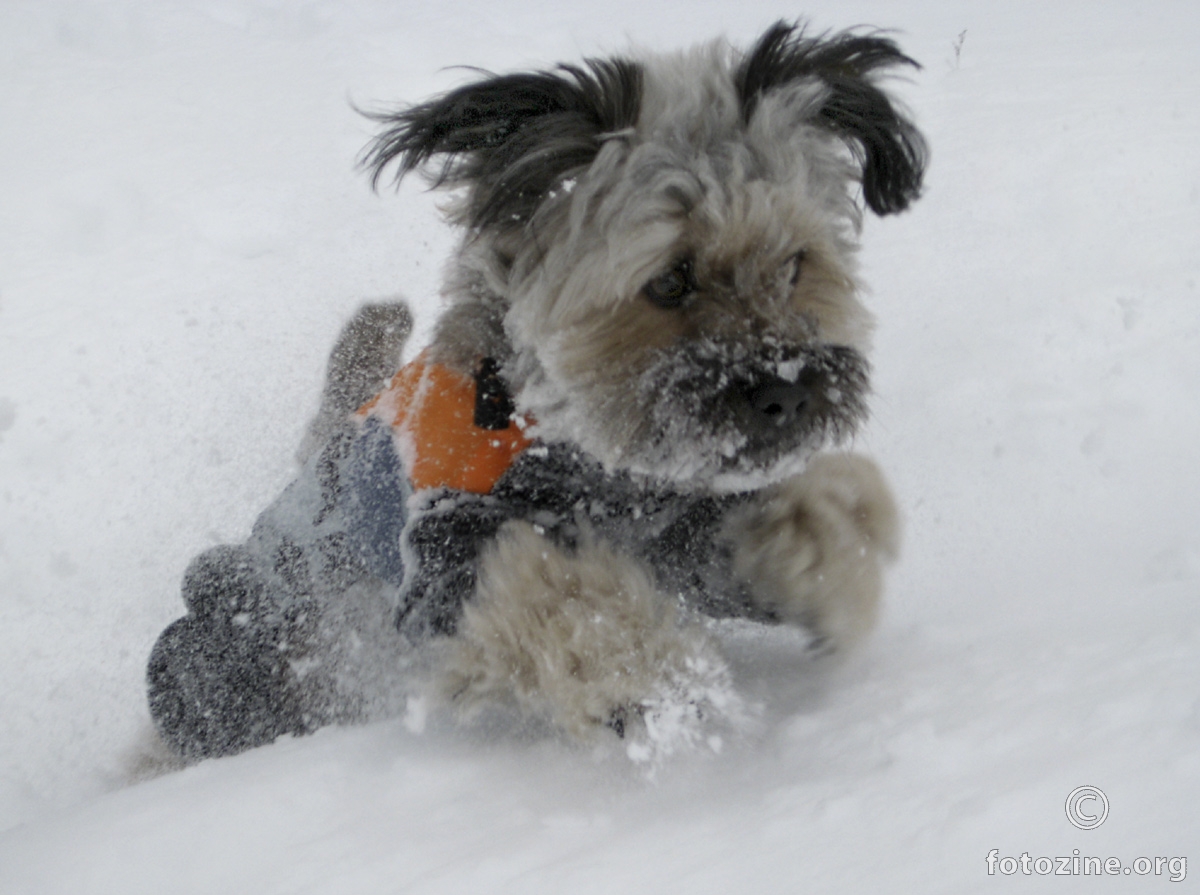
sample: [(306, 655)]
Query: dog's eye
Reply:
[(795, 266), (671, 289)]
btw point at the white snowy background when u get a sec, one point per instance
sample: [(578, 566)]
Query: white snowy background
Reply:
[(182, 232)]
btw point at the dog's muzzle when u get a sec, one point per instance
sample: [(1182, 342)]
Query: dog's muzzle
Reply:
[(746, 411), (813, 395)]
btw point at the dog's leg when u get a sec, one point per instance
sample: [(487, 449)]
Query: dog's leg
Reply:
[(812, 548), (584, 638)]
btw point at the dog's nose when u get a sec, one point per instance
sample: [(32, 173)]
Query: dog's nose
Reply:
[(779, 402)]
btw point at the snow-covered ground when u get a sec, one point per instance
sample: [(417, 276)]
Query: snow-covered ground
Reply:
[(182, 232)]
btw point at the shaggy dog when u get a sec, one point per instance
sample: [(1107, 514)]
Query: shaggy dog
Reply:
[(653, 330)]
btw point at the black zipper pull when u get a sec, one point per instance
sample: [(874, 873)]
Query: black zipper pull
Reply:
[(493, 405)]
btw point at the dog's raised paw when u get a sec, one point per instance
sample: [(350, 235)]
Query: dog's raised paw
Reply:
[(812, 548)]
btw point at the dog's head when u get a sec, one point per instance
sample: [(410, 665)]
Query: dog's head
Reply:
[(669, 242)]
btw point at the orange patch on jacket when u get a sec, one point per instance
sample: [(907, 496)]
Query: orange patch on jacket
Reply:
[(431, 408)]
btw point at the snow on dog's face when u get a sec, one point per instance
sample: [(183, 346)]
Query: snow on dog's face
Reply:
[(669, 243)]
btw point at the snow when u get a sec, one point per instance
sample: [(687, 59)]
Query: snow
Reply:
[(182, 233)]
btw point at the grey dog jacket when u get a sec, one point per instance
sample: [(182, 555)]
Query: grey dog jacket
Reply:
[(233, 673)]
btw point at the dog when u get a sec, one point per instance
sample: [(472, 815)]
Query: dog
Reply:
[(626, 422)]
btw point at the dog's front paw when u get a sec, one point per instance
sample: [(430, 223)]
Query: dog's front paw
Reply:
[(686, 712), (584, 638), (812, 548)]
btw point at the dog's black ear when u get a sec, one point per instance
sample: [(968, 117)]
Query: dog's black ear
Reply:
[(512, 138), (886, 144)]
